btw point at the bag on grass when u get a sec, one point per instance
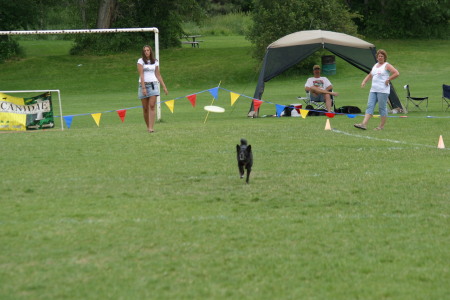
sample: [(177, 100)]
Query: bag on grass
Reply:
[(287, 111), (348, 110)]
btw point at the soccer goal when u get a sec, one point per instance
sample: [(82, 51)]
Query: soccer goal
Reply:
[(94, 31)]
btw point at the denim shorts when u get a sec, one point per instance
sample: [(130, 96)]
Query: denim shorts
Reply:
[(381, 98), (152, 89)]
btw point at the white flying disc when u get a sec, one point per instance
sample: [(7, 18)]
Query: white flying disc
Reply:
[(213, 108)]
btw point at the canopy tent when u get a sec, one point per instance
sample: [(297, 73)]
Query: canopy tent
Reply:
[(295, 47)]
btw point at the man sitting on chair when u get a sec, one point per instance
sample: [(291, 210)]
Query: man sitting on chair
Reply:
[(320, 88)]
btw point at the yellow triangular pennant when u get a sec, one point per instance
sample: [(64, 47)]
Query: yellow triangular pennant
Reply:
[(170, 104), (304, 113), (233, 97), (97, 118)]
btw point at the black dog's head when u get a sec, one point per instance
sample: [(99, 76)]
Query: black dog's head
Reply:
[(244, 151)]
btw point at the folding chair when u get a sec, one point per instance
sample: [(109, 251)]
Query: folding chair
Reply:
[(316, 104), (416, 101), (445, 96)]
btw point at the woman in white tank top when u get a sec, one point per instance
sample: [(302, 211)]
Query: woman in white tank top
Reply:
[(381, 75)]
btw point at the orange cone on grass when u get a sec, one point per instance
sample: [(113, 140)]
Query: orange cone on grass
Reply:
[(441, 143), (327, 125)]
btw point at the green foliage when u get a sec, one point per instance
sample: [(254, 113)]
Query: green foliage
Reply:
[(223, 7), (237, 23), (9, 48), (162, 14), (14, 15), (404, 18), (275, 19), (18, 14), (109, 43)]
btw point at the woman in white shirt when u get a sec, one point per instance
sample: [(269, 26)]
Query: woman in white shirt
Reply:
[(381, 75), (149, 80)]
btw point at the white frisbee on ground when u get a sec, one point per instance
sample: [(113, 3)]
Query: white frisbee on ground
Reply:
[(213, 108)]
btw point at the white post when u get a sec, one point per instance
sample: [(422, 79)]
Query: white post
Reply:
[(158, 103), (60, 110)]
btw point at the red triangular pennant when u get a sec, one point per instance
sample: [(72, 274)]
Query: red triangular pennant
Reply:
[(122, 114), (256, 104), (192, 99)]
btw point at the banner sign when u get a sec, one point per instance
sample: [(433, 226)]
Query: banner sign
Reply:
[(22, 114)]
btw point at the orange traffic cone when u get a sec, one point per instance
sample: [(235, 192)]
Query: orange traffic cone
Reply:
[(327, 125), (441, 143)]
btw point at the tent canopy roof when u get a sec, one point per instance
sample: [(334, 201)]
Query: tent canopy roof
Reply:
[(320, 37)]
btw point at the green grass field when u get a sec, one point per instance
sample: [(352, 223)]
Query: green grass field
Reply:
[(112, 212)]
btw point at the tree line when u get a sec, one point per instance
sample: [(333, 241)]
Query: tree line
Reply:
[(381, 19)]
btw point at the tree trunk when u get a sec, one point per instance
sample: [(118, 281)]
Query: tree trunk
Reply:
[(106, 13), (383, 6), (82, 5)]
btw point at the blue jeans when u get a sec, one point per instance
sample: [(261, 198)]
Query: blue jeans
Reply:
[(382, 99)]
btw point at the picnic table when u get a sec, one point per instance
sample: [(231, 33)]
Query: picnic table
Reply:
[(192, 40)]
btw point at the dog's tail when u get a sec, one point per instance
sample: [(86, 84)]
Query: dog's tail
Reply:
[(243, 142)]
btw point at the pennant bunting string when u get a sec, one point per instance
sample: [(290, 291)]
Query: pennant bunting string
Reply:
[(256, 104), (279, 109), (304, 113), (122, 114), (170, 104), (215, 93), (96, 118), (68, 120), (192, 98), (233, 97)]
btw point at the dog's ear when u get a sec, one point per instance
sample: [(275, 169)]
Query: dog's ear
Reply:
[(249, 148), (238, 148)]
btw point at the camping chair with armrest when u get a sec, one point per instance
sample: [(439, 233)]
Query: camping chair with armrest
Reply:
[(317, 105), (416, 101), (445, 96)]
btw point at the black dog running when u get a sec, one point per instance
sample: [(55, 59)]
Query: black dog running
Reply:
[(244, 158)]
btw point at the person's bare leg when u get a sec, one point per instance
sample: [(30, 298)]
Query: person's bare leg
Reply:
[(145, 105), (382, 122), (328, 102), (151, 114), (317, 91), (366, 119), (363, 125)]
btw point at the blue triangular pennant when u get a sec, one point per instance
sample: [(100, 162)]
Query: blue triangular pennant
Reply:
[(214, 92), (68, 120), (280, 109)]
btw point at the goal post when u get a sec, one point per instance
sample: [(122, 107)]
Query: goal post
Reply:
[(86, 31)]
